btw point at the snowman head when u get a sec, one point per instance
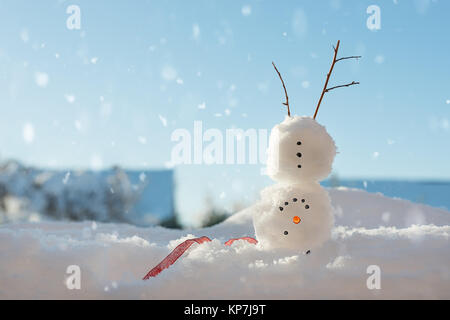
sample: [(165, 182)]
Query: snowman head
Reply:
[(300, 150), (295, 217)]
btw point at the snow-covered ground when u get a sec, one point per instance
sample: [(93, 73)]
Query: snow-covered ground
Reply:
[(409, 242)]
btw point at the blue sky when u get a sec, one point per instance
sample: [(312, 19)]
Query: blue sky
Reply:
[(115, 90)]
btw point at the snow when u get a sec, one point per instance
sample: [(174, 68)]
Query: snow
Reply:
[(142, 140), (305, 84), (70, 98), (163, 120), (169, 73), (296, 216), (96, 162), (196, 31), (28, 133), (411, 250), (379, 59), (41, 79), (246, 10), (296, 213), (24, 35), (300, 150)]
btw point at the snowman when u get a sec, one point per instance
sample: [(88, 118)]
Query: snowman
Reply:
[(296, 212)]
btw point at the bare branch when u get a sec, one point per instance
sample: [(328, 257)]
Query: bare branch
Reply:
[(325, 87), (343, 85), (352, 57), (328, 78), (285, 91)]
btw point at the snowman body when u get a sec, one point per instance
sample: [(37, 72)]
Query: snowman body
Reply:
[(296, 212)]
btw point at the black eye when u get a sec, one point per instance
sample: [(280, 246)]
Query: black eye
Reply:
[(299, 143), (281, 208), (295, 199), (299, 166), (299, 155), (303, 200), (306, 207), (286, 203), (286, 233)]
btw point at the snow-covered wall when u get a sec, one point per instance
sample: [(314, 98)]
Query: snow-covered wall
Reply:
[(114, 195)]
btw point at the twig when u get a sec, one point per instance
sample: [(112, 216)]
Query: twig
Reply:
[(285, 91), (325, 87), (352, 57), (343, 85), (328, 78)]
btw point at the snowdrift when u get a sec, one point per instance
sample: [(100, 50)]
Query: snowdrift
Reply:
[(409, 242)]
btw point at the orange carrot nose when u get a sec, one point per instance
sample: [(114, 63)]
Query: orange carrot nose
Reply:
[(297, 220)]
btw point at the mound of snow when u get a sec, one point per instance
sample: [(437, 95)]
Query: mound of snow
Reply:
[(408, 242)]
